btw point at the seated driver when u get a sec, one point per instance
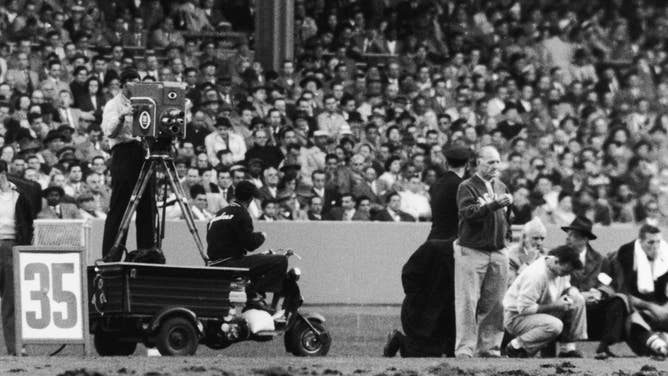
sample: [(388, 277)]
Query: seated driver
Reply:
[(230, 237)]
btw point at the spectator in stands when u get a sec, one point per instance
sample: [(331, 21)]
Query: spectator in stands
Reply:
[(199, 204), (328, 197), (224, 139), (315, 209), (87, 207), (54, 142), (346, 211), (414, 199), (100, 192), (55, 208), (270, 155), (269, 210), (53, 85), (288, 207), (392, 211), (75, 184), (371, 188)]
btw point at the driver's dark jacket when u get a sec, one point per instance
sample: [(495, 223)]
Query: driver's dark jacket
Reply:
[(230, 233)]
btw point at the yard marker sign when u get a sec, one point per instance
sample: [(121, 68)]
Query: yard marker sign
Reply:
[(50, 296)]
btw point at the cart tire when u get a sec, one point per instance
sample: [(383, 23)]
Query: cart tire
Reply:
[(302, 341), (107, 345), (177, 337)]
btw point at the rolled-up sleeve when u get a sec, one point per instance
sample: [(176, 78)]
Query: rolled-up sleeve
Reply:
[(528, 295), (110, 117)]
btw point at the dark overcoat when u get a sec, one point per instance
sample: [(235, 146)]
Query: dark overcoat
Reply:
[(428, 313), (444, 212)]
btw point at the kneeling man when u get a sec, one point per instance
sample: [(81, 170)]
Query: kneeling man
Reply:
[(541, 306)]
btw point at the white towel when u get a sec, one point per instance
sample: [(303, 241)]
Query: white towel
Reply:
[(647, 272)]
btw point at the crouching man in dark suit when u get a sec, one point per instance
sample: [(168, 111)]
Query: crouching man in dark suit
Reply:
[(427, 313), (230, 237)]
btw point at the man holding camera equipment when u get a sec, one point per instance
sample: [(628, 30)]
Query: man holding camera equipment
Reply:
[(127, 157), (230, 236)]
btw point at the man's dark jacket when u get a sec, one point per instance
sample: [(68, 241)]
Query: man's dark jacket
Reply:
[(230, 233), (444, 212), (23, 220), (482, 226), (428, 313), (625, 279), (31, 190), (587, 278)]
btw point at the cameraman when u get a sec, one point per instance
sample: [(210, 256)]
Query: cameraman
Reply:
[(127, 157), (230, 237)]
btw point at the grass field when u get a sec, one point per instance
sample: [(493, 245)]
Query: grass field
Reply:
[(358, 334)]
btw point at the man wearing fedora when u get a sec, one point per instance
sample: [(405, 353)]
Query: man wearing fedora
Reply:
[(579, 234)]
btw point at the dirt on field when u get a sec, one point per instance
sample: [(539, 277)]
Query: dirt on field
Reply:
[(358, 334), (223, 366)]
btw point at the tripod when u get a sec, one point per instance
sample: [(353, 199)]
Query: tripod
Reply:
[(158, 155)]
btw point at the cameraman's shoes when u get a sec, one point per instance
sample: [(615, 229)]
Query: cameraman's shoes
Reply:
[(393, 344)]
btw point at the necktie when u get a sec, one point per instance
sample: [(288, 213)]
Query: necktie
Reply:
[(27, 79)]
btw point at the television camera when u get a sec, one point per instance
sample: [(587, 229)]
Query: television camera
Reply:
[(159, 109), (158, 119)]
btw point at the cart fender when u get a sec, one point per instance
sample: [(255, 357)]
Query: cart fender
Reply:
[(313, 316), (176, 311)]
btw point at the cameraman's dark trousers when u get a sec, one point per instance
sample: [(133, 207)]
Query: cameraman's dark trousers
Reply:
[(126, 162)]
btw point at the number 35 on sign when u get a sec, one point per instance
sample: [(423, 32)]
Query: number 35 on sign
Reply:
[(50, 292)]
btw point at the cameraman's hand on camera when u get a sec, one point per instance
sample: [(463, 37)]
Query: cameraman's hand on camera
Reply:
[(126, 110)]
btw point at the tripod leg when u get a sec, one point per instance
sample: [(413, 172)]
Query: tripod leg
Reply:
[(137, 192), (184, 204)]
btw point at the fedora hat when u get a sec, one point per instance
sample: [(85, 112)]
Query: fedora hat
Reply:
[(582, 225)]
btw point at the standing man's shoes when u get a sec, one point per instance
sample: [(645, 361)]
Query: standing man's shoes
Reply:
[(393, 344)]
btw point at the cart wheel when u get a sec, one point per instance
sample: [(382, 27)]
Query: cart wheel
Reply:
[(177, 337), (302, 341), (107, 345)]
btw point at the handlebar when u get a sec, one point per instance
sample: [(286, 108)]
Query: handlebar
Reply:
[(287, 252)]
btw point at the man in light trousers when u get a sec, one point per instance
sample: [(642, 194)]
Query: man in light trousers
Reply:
[(481, 268), (542, 307)]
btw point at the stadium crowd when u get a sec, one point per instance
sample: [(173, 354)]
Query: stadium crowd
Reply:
[(574, 95)]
